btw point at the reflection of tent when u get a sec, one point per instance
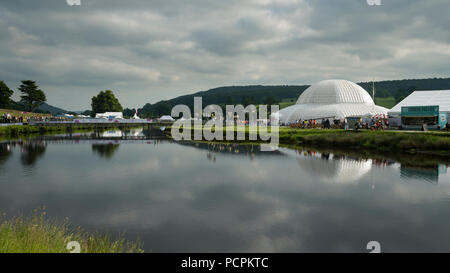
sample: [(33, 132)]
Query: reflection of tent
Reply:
[(334, 170), (137, 132), (338, 170), (166, 118), (112, 133)]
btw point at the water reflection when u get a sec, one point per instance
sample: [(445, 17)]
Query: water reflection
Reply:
[(113, 133), (172, 197), (5, 152), (430, 173), (31, 151), (344, 168), (331, 168), (213, 149), (105, 150)]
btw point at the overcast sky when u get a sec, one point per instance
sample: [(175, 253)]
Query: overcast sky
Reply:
[(146, 51)]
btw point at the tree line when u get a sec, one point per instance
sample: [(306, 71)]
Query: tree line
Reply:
[(32, 97), (258, 94)]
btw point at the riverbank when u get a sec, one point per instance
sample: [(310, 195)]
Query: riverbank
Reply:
[(39, 234), (386, 141), (15, 131), (24, 130), (434, 143)]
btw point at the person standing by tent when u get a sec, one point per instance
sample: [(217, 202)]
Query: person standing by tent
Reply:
[(327, 124)]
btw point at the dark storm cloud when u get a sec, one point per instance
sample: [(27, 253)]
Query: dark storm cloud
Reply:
[(151, 50)]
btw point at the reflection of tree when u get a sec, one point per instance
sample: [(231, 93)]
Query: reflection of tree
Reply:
[(5, 153), (211, 157), (32, 151), (105, 150)]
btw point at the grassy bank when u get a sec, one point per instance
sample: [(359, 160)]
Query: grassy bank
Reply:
[(436, 143), (39, 234), (15, 131), (23, 130), (412, 142)]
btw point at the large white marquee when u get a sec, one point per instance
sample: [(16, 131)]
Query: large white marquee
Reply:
[(335, 99)]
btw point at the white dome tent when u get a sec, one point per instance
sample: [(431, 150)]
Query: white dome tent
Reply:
[(166, 118), (336, 99)]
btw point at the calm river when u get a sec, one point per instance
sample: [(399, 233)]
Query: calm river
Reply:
[(187, 197)]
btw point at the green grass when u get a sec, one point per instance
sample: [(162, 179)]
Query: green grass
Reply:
[(388, 102), (15, 131), (431, 142), (19, 130), (39, 234)]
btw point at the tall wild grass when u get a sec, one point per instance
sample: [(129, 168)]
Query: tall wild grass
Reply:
[(40, 234)]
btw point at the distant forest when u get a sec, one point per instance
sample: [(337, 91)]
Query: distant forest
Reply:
[(393, 91)]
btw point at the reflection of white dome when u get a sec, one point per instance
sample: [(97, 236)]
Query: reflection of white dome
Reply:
[(333, 170), (341, 171), (331, 99)]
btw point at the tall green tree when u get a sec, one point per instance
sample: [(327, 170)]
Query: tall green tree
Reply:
[(105, 101), (32, 96), (5, 95)]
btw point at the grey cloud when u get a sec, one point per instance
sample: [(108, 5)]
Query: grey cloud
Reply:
[(152, 50)]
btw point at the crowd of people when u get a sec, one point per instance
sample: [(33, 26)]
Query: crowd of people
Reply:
[(311, 123), (374, 123), (8, 118), (322, 123)]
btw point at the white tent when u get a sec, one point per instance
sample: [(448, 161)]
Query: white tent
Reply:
[(425, 98), (136, 115), (166, 118), (331, 99), (110, 115)]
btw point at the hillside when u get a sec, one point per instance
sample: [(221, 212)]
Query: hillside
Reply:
[(387, 94), (43, 108)]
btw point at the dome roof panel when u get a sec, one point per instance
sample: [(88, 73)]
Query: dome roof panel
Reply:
[(334, 91)]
